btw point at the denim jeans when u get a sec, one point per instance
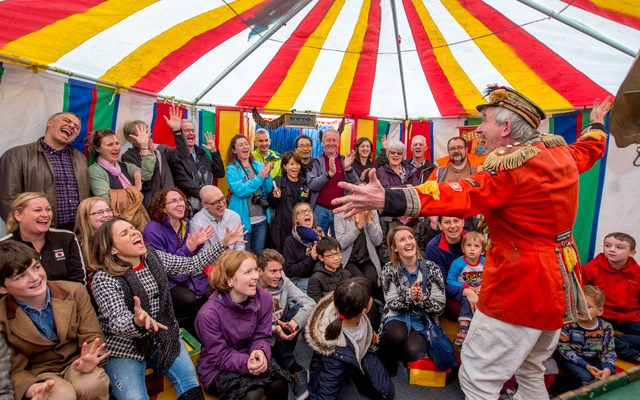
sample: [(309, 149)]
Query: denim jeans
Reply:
[(127, 376), (628, 340), (256, 238), (578, 373), (324, 219)]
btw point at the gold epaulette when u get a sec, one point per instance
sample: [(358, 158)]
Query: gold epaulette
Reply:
[(551, 140), (430, 188), (510, 156), (593, 134)]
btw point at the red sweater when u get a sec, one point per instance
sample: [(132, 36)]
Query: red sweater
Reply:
[(621, 287)]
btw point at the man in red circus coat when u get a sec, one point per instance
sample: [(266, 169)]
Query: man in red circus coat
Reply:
[(528, 193)]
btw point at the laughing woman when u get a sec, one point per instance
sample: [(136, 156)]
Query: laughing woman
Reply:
[(135, 312)]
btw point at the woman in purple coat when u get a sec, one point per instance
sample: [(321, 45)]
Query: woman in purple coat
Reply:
[(168, 231), (235, 326)]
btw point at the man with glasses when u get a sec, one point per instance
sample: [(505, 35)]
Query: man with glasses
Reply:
[(458, 167), (199, 169), (304, 149), (50, 165), (214, 213)]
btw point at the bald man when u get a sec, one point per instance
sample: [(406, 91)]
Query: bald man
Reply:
[(214, 213)]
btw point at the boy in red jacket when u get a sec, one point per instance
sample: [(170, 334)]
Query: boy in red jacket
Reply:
[(617, 274)]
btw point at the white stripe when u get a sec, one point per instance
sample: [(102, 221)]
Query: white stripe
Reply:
[(478, 68), (600, 62), (237, 83), (420, 101), (98, 54), (328, 63)]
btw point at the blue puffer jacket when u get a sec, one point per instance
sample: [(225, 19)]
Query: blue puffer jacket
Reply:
[(334, 361)]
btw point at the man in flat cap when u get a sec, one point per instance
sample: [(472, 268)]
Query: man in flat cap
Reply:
[(528, 193)]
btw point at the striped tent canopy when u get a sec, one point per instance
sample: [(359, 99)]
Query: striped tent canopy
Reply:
[(389, 58)]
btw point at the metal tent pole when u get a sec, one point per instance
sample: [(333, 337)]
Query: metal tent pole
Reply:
[(398, 38), (282, 22)]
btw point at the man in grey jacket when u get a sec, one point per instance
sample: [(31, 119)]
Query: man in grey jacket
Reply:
[(291, 308)]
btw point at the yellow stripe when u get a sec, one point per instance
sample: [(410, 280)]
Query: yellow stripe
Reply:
[(345, 139), (292, 85), (138, 63), (629, 7), (336, 99), (462, 86), (48, 44), (506, 61)]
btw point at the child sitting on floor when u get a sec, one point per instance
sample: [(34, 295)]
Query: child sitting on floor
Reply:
[(341, 336), (51, 329), (586, 346), (466, 272), (328, 271), (617, 274)]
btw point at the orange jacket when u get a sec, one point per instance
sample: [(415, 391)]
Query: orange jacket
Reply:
[(530, 211)]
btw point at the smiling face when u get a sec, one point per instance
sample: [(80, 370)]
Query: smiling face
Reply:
[(214, 202), (292, 168), (304, 216), (395, 157), (189, 132), (493, 134), (364, 150), (405, 244), (331, 259), (418, 147), (62, 130), (99, 214), (271, 275), (304, 148), (451, 228), (28, 286), (174, 205), (245, 280), (263, 142), (109, 149), (241, 149), (330, 142), (457, 151), (127, 241), (35, 218)]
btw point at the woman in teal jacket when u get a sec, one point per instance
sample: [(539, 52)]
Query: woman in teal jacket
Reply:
[(249, 184)]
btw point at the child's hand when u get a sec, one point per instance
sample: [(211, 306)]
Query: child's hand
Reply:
[(593, 370), (603, 374), (40, 390), (257, 362)]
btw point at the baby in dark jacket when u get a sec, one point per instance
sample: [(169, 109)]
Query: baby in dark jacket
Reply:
[(328, 271)]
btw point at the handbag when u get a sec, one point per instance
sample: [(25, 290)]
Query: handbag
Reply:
[(440, 349)]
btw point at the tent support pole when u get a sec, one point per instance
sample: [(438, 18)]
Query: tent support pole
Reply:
[(579, 26), (398, 39), (282, 22)]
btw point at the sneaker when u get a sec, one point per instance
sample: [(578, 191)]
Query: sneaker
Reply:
[(460, 337), (300, 384)]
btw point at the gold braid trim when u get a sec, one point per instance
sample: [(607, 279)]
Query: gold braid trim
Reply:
[(553, 140), (510, 161), (594, 135), (430, 188), (570, 258)]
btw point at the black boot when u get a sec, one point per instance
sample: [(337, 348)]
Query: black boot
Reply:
[(192, 394)]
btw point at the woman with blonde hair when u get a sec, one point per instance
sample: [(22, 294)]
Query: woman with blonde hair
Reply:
[(135, 310), (29, 222), (92, 213), (235, 359)]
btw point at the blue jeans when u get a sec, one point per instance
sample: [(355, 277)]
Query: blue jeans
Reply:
[(256, 238), (127, 376), (301, 283), (324, 219), (578, 373), (628, 340)]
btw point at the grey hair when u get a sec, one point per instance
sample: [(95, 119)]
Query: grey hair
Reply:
[(188, 121), (395, 145), (262, 130), (419, 137), (521, 131)]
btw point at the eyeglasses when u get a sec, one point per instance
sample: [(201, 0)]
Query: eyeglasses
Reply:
[(303, 212), (304, 146), (332, 255), (218, 202), (174, 201), (100, 213), (395, 153)]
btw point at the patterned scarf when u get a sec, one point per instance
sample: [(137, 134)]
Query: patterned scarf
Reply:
[(115, 172)]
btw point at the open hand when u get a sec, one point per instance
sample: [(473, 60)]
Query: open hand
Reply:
[(175, 118), (362, 197), (141, 138), (233, 236), (40, 390), (142, 319), (600, 109), (199, 237), (90, 356), (209, 142), (266, 170), (349, 159), (472, 297)]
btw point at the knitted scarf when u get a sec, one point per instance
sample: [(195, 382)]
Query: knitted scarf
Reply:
[(161, 347), (115, 172)]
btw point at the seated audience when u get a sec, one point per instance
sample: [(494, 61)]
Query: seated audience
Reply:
[(423, 167), (466, 272), (328, 271), (168, 231), (289, 189), (586, 347), (395, 173), (341, 337), (117, 182), (414, 296), (250, 184), (50, 165), (362, 163), (135, 311), (300, 247), (51, 329), (200, 168), (164, 155), (92, 213), (304, 148), (29, 223), (291, 307), (216, 215), (327, 169), (617, 274), (235, 358)]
